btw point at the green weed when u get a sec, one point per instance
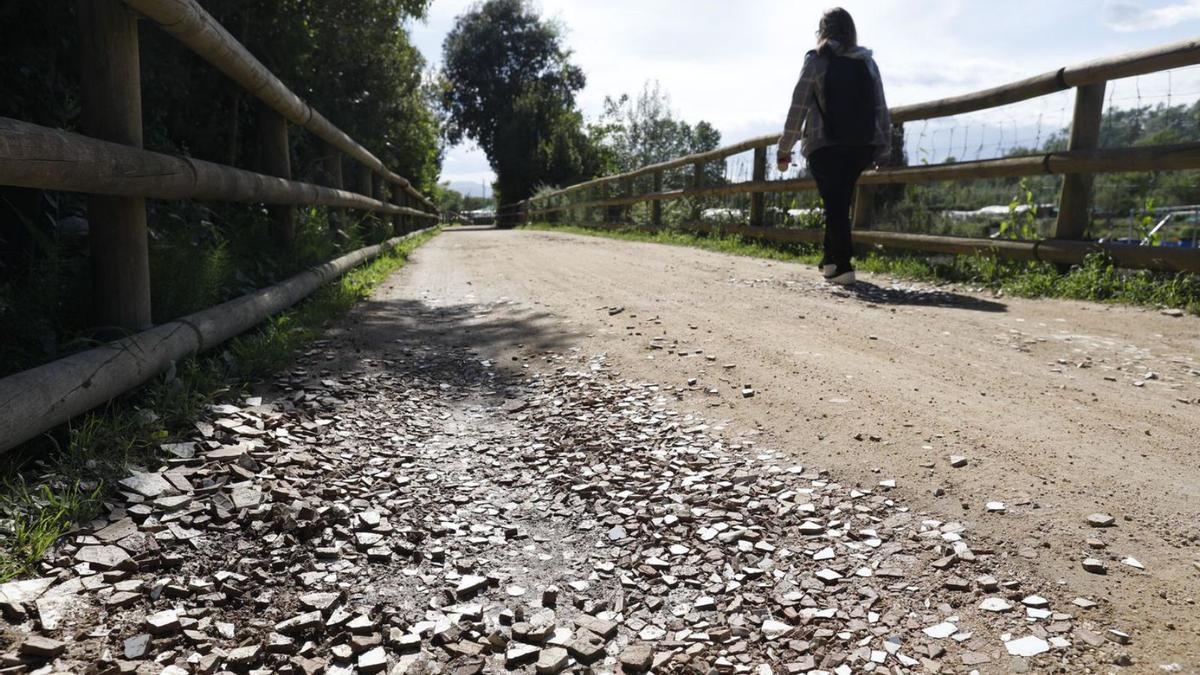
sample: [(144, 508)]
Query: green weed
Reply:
[(1022, 215), (35, 517)]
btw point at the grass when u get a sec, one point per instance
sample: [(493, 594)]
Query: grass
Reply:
[(1095, 280), (61, 480)]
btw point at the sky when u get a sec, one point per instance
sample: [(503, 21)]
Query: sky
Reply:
[(734, 63)]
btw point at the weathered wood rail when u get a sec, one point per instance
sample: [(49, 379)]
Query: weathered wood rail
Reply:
[(108, 163), (1082, 160)]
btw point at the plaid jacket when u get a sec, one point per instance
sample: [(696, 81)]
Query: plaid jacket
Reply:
[(804, 122)]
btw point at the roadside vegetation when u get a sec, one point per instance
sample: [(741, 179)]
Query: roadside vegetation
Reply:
[(201, 254), (61, 480), (205, 253), (1095, 280)]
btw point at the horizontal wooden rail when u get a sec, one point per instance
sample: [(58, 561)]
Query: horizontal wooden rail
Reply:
[(689, 160), (201, 33), (1150, 158), (1176, 55), (1056, 251), (39, 157), (37, 400)]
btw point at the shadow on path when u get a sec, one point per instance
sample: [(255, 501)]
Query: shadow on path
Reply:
[(381, 329), (868, 292)]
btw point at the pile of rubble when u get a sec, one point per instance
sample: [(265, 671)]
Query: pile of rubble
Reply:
[(424, 514)]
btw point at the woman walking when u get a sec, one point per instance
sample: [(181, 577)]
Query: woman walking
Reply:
[(840, 116)]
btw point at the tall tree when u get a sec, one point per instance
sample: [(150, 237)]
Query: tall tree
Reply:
[(509, 85), (645, 130)]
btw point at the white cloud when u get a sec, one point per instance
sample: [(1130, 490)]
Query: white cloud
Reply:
[(1128, 16), (734, 63), (467, 164)]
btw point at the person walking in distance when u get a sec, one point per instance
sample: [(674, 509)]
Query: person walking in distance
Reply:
[(840, 116)]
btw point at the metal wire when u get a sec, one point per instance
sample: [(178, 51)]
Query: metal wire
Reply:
[(1036, 125)]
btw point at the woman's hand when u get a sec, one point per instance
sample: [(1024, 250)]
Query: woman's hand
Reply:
[(783, 161)]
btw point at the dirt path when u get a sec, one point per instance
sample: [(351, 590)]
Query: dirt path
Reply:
[(1062, 409), (540, 453)]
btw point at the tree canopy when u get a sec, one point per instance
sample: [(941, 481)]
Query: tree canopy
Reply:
[(351, 60), (644, 130), (509, 85)]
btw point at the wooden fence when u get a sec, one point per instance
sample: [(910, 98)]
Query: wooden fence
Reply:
[(110, 165), (1077, 165)]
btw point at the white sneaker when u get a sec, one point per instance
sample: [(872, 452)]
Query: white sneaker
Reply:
[(828, 270)]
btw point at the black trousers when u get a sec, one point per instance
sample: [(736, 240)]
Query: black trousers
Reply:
[(836, 169)]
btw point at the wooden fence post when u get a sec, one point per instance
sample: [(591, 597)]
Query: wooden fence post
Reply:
[(387, 195), (366, 183), (331, 170), (656, 205), (697, 182), (758, 200), (275, 159), (392, 196), (111, 95), (627, 191), (864, 207), (375, 191), (1074, 204), (612, 213)]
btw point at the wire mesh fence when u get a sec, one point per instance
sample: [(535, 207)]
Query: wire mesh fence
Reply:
[(1158, 107)]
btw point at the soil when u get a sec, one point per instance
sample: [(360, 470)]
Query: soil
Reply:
[(658, 457), (1062, 409)]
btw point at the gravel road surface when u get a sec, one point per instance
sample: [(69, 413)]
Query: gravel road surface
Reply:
[(537, 452)]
